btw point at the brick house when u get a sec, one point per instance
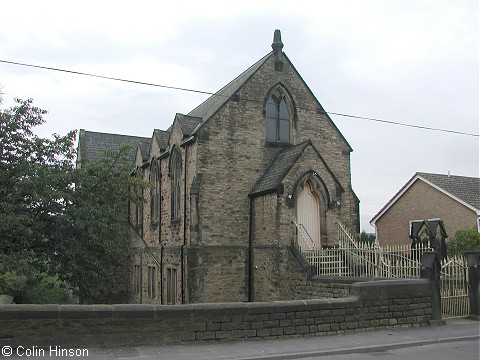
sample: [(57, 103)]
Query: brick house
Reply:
[(234, 183), (453, 199)]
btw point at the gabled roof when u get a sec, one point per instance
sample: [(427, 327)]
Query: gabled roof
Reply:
[(278, 169), (432, 224), (145, 149), (162, 138), (280, 166), (210, 106), (320, 107), (187, 123), (465, 190), (92, 145)]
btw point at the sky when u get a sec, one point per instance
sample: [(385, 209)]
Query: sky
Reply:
[(408, 61)]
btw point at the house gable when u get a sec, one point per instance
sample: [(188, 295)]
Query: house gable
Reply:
[(435, 181), (419, 199)]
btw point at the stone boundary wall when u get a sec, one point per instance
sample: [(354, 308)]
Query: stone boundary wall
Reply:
[(319, 287), (369, 306)]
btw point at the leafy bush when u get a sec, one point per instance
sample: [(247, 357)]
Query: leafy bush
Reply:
[(27, 290), (48, 290), (463, 241)]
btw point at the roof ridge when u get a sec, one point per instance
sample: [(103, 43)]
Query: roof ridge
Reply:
[(113, 134), (446, 175), (205, 111)]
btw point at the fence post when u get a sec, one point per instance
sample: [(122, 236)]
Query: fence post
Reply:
[(473, 264), (430, 269)]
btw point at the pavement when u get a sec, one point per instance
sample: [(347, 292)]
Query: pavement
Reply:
[(454, 331)]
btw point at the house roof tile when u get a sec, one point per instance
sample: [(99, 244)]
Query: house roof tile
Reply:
[(462, 187)]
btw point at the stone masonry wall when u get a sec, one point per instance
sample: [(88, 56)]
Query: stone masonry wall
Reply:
[(370, 306), (319, 287)]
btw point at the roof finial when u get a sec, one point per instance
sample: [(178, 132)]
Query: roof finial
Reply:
[(277, 47), (277, 44)]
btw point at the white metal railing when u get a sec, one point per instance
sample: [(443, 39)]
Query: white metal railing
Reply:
[(454, 287), (368, 261), (305, 242), (350, 258), (345, 237)]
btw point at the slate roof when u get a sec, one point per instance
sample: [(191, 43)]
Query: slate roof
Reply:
[(92, 144), (463, 189), (162, 138), (278, 169), (145, 149), (210, 106), (187, 123)]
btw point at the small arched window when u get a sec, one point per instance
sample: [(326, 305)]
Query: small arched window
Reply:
[(175, 181), (278, 118), (154, 192)]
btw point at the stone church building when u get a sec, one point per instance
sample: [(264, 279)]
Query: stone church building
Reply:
[(255, 168)]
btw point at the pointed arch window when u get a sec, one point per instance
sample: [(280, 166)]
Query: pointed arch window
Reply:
[(277, 117), (175, 181), (154, 192), (139, 203)]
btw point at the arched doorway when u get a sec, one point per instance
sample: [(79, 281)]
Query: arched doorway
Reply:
[(309, 218)]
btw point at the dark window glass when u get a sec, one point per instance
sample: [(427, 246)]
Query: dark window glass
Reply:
[(271, 110), (284, 131), (277, 118), (175, 173), (283, 110), (271, 130), (154, 192)]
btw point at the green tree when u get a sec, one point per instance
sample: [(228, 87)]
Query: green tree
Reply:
[(463, 241), (367, 238), (57, 219)]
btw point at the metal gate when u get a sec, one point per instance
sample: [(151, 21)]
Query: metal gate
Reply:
[(454, 288)]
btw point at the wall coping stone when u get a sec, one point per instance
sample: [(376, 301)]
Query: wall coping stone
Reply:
[(29, 311), (165, 311), (255, 308), (347, 280), (289, 306), (81, 312), (393, 288), (126, 311)]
